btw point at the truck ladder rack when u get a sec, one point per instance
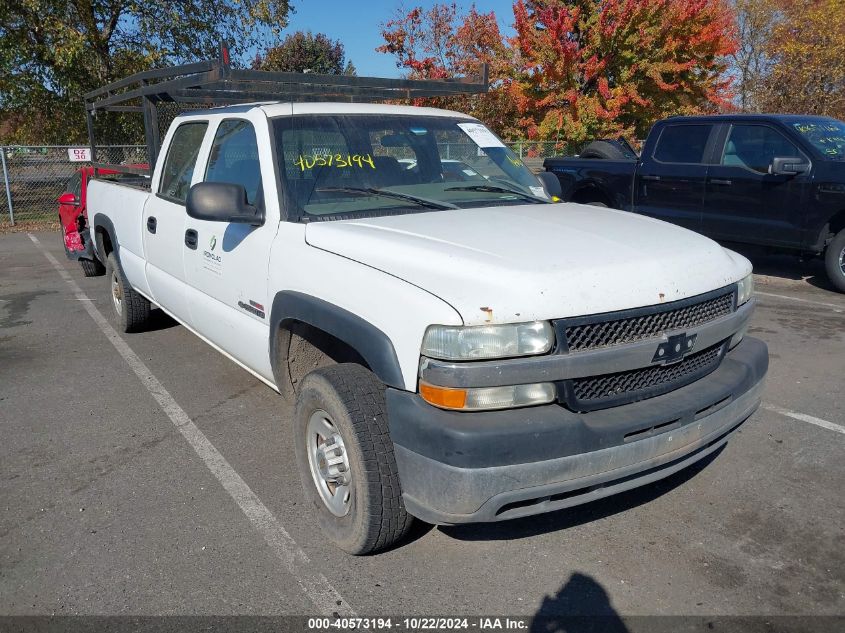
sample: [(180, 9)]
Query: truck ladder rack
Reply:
[(215, 82)]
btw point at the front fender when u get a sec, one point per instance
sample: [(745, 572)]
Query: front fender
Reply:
[(371, 343), (383, 318)]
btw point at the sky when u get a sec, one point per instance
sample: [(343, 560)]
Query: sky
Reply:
[(357, 26)]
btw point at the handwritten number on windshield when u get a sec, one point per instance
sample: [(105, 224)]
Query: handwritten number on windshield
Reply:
[(335, 160)]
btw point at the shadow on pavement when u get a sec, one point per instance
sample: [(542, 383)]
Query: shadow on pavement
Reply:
[(572, 517), (159, 320), (785, 266), (582, 604)]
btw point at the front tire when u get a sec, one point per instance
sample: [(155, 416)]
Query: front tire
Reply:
[(834, 260), (345, 458), (132, 311), (92, 268)]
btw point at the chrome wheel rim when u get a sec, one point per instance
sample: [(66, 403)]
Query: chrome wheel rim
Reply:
[(842, 261), (116, 293), (328, 462)]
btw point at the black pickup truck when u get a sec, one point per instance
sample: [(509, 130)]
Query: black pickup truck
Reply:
[(771, 180)]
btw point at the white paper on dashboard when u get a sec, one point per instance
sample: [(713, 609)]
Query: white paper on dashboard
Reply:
[(480, 135), (539, 192)]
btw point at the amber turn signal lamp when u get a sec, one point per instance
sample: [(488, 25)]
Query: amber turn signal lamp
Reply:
[(443, 397)]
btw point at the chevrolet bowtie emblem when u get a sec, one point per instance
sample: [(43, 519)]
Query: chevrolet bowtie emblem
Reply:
[(674, 349)]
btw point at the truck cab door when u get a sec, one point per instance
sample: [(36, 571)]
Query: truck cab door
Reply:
[(669, 182), (744, 201), (226, 265), (163, 220)]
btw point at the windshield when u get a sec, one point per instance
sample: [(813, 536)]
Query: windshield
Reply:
[(826, 135), (336, 166)]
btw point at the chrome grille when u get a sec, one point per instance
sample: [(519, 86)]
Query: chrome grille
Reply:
[(637, 384), (604, 333)]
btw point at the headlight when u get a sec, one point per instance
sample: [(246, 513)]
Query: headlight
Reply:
[(449, 342), (488, 398), (745, 288)]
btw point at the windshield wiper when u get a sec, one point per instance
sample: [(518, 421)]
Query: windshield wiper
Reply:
[(497, 189), (423, 202)]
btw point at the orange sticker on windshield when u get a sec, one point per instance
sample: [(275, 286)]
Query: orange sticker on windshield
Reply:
[(335, 160)]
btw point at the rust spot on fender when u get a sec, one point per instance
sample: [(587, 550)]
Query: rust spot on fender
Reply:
[(489, 313)]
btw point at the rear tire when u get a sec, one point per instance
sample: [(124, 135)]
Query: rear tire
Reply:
[(834, 261), (92, 268), (132, 311), (345, 458), (606, 150)]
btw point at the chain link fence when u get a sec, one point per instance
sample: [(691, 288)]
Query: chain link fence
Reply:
[(34, 176)]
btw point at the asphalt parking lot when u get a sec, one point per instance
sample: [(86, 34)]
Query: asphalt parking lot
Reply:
[(109, 507)]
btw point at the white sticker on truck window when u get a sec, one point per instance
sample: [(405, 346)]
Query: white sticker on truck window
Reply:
[(539, 192), (480, 135)]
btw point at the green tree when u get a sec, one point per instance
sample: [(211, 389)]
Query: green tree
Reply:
[(305, 52), (54, 51)]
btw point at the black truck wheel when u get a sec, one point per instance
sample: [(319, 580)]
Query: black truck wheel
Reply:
[(92, 268), (608, 150), (130, 308), (834, 260), (345, 459)]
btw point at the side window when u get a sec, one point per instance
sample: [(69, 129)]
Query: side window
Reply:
[(682, 143), (234, 158), (754, 147), (181, 160)]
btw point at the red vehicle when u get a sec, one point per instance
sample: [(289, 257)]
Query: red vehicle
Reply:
[(73, 217)]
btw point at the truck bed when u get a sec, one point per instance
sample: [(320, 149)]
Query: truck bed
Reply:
[(122, 203), (616, 176)]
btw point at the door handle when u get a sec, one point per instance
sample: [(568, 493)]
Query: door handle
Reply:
[(650, 177), (191, 239), (720, 181), (151, 224)]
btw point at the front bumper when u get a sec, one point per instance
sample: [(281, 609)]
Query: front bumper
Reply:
[(459, 467)]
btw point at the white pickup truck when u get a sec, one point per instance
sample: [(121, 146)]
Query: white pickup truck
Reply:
[(459, 349)]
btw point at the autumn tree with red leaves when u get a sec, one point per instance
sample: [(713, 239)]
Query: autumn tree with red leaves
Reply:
[(579, 69), (439, 42), (608, 67)]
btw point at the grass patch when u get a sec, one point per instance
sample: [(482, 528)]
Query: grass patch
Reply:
[(29, 225)]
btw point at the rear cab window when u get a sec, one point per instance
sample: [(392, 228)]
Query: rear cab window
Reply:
[(683, 143)]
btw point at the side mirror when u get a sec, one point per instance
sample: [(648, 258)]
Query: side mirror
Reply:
[(551, 184), (222, 202), (69, 198), (789, 166)]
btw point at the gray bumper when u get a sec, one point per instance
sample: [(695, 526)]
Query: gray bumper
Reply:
[(458, 492)]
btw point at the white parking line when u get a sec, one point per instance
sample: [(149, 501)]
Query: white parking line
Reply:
[(836, 308), (314, 584), (831, 426)]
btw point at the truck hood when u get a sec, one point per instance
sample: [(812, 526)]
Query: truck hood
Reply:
[(521, 263)]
